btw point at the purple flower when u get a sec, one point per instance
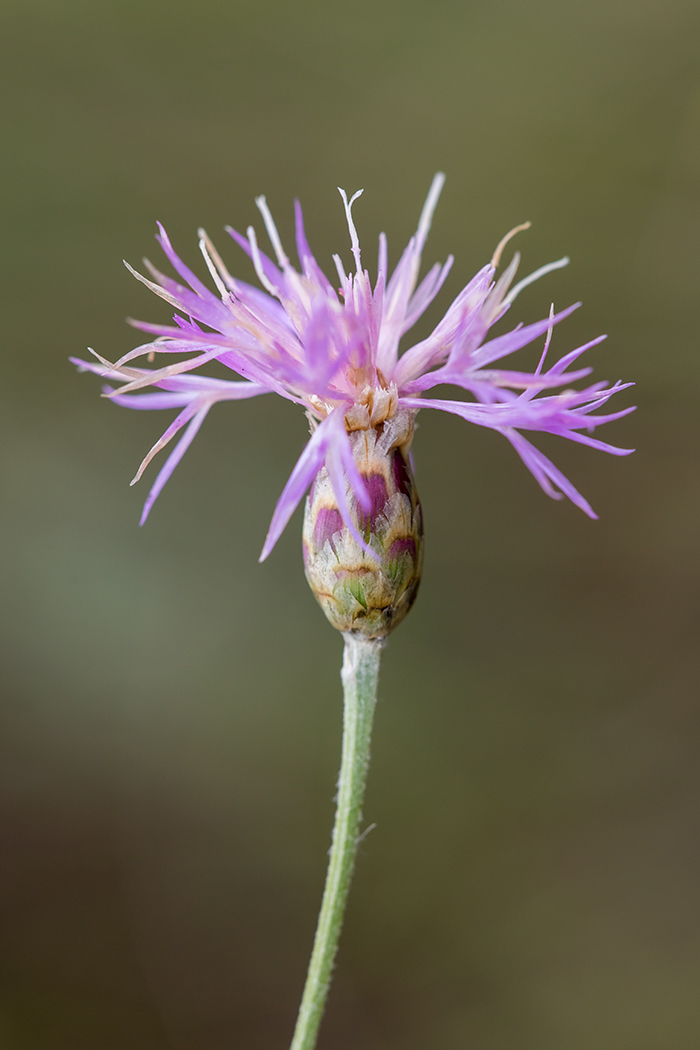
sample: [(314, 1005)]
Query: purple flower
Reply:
[(336, 353)]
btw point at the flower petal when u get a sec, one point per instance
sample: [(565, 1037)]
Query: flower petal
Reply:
[(173, 460), (307, 466), (545, 473)]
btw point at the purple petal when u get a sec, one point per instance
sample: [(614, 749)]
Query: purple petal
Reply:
[(433, 350), (205, 306), (175, 427), (173, 460), (183, 392), (557, 415), (505, 417), (602, 446), (148, 401), (572, 356), (240, 340), (170, 370), (544, 472), (306, 257), (347, 461), (307, 466), (238, 359), (178, 265), (473, 380), (335, 463), (427, 291), (515, 340), (262, 302)]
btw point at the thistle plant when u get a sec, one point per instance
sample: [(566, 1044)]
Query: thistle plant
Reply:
[(335, 352)]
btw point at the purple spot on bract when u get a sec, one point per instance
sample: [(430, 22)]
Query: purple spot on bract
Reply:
[(376, 487), (403, 546), (328, 522), (402, 475)]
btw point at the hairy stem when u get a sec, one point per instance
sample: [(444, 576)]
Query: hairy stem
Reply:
[(359, 674)]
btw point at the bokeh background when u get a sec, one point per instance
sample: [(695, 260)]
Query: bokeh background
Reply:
[(171, 710)]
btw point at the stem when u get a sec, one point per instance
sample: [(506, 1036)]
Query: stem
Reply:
[(359, 674)]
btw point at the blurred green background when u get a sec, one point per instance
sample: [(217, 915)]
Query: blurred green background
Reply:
[(171, 709)]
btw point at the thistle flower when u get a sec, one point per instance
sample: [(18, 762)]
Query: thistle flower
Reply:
[(336, 353)]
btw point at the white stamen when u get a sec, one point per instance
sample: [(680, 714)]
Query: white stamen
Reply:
[(383, 255), (118, 371), (204, 249), (152, 378), (257, 263), (219, 263), (515, 292), (495, 301), (547, 341), (354, 239), (147, 459), (108, 364), (139, 351), (426, 216), (342, 276), (154, 287), (272, 232), (496, 257), (163, 441)]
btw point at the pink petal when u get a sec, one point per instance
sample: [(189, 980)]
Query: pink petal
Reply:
[(306, 469), (173, 460)]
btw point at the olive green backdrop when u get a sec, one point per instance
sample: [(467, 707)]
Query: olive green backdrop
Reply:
[(171, 710)]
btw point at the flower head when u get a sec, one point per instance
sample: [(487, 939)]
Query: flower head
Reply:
[(335, 352)]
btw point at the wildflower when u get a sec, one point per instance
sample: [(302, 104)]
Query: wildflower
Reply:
[(336, 353)]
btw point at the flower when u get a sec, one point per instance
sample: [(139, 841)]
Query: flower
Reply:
[(336, 353)]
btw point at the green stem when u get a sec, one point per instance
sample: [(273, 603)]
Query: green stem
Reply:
[(359, 674)]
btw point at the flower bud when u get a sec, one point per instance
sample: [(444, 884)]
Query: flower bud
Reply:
[(358, 592)]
